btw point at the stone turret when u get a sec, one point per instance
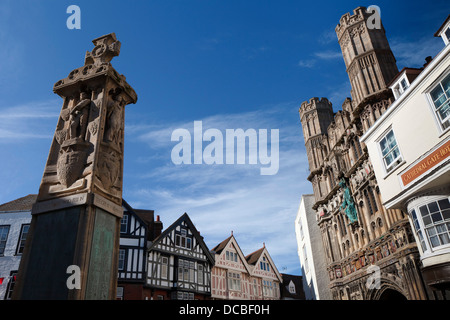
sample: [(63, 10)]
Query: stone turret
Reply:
[(367, 55)]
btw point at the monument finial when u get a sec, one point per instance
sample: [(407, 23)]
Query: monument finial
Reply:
[(106, 48)]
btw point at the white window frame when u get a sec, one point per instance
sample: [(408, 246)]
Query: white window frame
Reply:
[(124, 223), (396, 162), (122, 257), (5, 240), (164, 267), (398, 88), (292, 288), (264, 264), (234, 281), (425, 243), (22, 238), (183, 239), (439, 122)]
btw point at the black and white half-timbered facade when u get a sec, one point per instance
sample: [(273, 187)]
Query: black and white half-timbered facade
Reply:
[(179, 263), (132, 267)]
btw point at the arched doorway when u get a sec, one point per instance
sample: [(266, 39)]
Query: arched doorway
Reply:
[(391, 294)]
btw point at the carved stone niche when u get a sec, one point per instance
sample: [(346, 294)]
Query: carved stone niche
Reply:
[(86, 154)]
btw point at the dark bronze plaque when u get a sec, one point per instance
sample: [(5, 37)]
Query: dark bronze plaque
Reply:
[(102, 250)]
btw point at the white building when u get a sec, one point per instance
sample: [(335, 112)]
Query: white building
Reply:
[(311, 252), (409, 146), (15, 218)]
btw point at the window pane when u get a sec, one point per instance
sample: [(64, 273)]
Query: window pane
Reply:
[(389, 158), (444, 111), (434, 241), (383, 146), (438, 96), (188, 243), (444, 204), (423, 210), (431, 231), (444, 238), (391, 140), (441, 228), (433, 207), (446, 214), (436, 217), (446, 85)]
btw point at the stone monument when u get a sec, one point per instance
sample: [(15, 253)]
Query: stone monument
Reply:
[(76, 218)]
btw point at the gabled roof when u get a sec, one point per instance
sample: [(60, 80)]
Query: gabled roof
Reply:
[(297, 281), (218, 249), (231, 240), (144, 220), (436, 34), (254, 257), (21, 204), (194, 231), (414, 72)]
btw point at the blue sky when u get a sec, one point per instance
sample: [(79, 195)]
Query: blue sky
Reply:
[(230, 64)]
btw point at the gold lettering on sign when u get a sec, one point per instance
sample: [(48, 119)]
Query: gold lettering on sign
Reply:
[(429, 162)]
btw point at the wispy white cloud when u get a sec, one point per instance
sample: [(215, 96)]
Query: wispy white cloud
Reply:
[(222, 198), (307, 63), (316, 57), (35, 120), (413, 53), (328, 55), (327, 36)]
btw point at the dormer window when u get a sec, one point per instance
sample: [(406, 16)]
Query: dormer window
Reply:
[(183, 240), (400, 86), (447, 34), (444, 31), (291, 288), (403, 85)]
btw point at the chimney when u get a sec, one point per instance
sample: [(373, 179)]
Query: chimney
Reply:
[(427, 61), (157, 227)]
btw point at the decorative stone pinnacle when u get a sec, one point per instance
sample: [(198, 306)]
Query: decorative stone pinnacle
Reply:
[(106, 48)]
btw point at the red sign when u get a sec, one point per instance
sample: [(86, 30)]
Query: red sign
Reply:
[(429, 162)]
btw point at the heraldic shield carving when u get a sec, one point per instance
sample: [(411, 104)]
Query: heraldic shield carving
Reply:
[(87, 150)]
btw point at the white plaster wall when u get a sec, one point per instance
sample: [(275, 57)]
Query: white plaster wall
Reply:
[(10, 261), (414, 125)]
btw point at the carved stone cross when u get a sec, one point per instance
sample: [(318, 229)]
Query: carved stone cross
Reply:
[(76, 218)]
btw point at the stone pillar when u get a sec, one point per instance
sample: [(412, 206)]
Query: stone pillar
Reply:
[(76, 218)]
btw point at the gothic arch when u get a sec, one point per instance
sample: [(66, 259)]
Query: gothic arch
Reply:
[(388, 291)]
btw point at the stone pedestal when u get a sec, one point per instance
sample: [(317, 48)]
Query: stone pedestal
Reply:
[(76, 219)]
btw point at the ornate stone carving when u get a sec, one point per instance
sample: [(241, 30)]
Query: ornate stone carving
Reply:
[(348, 204), (106, 48), (87, 151)]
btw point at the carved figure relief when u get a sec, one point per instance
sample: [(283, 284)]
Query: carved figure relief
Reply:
[(110, 159), (72, 140), (113, 125), (348, 204), (78, 117), (108, 169)]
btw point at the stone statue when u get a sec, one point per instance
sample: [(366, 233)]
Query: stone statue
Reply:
[(348, 204), (114, 121), (78, 117)]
